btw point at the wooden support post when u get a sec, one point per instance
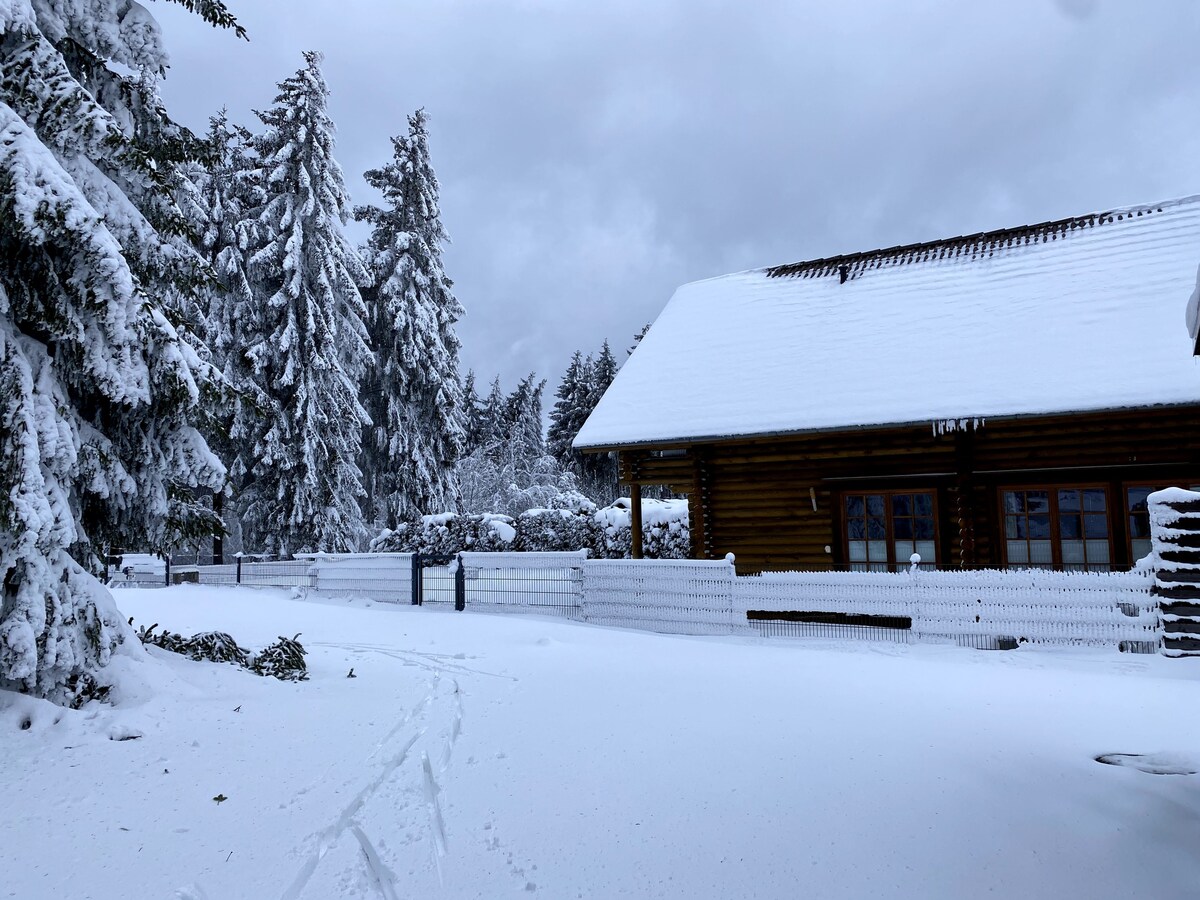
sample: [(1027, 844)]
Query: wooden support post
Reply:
[(635, 520), (964, 506)]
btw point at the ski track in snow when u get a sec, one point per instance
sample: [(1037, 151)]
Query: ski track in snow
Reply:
[(383, 877), (427, 661), (326, 838)]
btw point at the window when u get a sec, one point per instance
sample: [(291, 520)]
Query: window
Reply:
[(1057, 527), (884, 529), (1139, 521)]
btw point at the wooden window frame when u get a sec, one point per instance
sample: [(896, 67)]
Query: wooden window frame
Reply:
[(1153, 486), (893, 565), (1052, 490)]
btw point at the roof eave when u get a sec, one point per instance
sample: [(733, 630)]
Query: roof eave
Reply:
[(675, 442)]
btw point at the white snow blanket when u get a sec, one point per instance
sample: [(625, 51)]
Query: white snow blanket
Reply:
[(485, 756), (1029, 327)]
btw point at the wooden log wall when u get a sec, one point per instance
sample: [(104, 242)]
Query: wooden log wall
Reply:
[(754, 497)]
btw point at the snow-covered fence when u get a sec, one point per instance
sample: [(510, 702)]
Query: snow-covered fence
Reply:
[(675, 596), (550, 582), (985, 608), (384, 577)]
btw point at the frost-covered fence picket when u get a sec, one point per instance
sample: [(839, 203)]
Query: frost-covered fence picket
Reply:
[(986, 609), (675, 596), (1175, 536)]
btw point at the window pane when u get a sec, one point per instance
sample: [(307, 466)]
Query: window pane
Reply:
[(854, 506), (877, 550), (928, 553), (1095, 525), (904, 549), (1141, 548), (1139, 526), (902, 505), (923, 528), (1039, 553), (902, 529), (1072, 553), (1039, 526), (1093, 500), (855, 529), (1069, 527), (1097, 552), (858, 551), (1014, 501), (1068, 500), (1037, 501), (1137, 498), (875, 505), (1012, 527), (1018, 552), (876, 530), (923, 504)]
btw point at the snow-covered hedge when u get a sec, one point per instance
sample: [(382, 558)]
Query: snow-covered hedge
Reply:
[(572, 523)]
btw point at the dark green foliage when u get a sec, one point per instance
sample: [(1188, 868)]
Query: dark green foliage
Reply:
[(283, 660)]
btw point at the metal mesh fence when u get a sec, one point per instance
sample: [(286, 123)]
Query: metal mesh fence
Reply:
[(553, 591)]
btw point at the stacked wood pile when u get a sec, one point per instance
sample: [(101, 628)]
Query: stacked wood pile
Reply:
[(1175, 531)]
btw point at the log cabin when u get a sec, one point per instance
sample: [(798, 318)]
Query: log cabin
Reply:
[(1001, 399)]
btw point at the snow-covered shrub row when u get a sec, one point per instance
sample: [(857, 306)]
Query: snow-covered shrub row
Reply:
[(571, 523)]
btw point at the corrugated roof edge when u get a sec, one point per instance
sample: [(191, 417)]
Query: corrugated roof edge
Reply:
[(983, 243), (869, 426)]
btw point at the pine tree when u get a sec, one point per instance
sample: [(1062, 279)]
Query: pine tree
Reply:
[(416, 404), (472, 412), (100, 382), (570, 409), (221, 193), (493, 427), (308, 342)]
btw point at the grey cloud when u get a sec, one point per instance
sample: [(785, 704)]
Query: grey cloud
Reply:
[(594, 155)]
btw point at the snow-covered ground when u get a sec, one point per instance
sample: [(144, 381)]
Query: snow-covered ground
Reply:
[(485, 756)]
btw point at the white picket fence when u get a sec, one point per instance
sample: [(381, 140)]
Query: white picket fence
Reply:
[(988, 608), (982, 608)]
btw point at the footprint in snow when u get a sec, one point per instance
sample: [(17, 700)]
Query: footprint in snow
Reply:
[(1153, 763)]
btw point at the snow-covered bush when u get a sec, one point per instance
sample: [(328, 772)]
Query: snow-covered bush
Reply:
[(447, 533), (572, 522), (558, 529), (666, 533)]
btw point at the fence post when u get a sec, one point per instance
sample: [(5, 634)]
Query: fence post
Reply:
[(239, 567), (460, 584), (167, 569), (416, 579)]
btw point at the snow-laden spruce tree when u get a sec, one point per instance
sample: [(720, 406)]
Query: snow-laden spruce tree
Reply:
[(306, 340), (415, 397), (571, 408), (99, 384)]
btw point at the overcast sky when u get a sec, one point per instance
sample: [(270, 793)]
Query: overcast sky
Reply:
[(595, 154)]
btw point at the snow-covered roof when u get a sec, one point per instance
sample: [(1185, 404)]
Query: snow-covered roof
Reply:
[(1079, 314)]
